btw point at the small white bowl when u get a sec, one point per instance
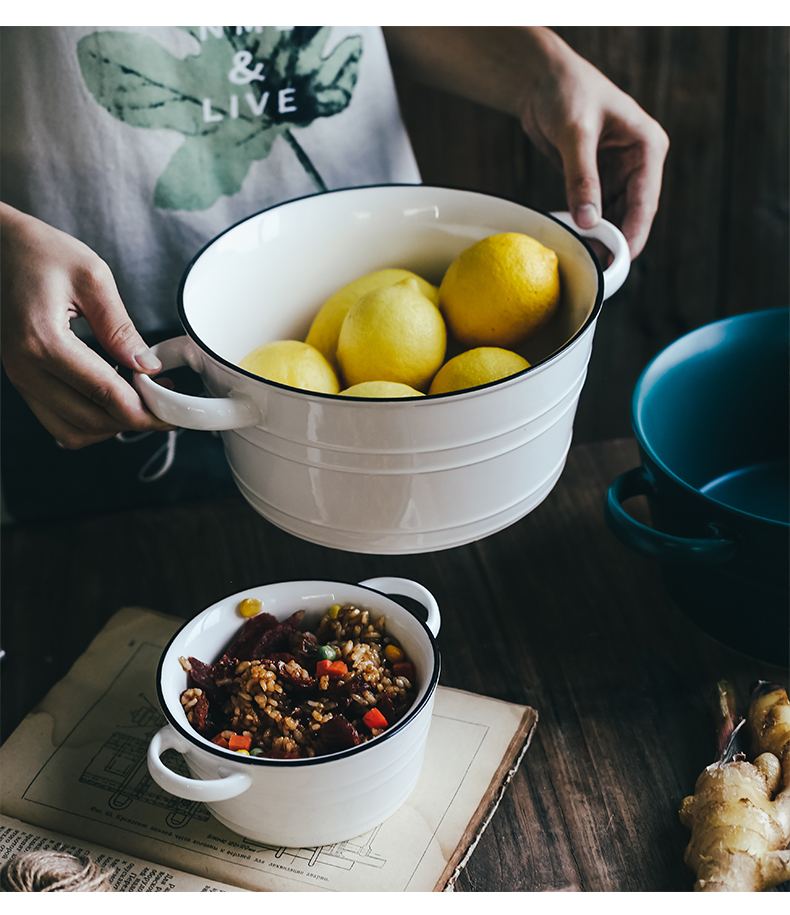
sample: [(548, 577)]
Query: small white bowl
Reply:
[(300, 802)]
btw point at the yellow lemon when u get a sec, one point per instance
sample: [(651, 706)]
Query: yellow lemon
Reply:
[(392, 334), (475, 367), (325, 329), (293, 363), (381, 389), (501, 291)]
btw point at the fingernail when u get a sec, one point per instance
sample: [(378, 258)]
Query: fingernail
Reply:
[(147, 361), (587, 216)]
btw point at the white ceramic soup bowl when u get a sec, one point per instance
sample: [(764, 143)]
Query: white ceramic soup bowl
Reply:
[(300, 802), (380, 476)]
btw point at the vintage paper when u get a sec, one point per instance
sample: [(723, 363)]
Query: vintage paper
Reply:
[(77, 766)]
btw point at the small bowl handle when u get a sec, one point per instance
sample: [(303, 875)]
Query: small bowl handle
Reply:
[(191, 789), (655, 544), (609, 235), (205, 413), (409, 588)]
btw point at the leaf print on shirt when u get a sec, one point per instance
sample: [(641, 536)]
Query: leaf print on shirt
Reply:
[(231, 100)]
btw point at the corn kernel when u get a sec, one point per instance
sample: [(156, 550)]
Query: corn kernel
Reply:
[(243, 752), (333, 611), (393, 653), (249, 607)]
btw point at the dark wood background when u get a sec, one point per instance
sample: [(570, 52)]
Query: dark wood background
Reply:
[(719, 244)]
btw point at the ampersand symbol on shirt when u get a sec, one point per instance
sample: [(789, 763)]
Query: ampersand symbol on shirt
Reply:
[(242, 76)]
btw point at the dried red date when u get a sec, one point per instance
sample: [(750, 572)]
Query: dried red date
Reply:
[(387, 708), (390, 710), (198, 715), (214, 679), (202, 676), (274, 640), (304, 647), (249, 635), (339, 734), (293, 679)]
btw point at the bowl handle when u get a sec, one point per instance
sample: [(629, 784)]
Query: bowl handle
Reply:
[(655, 544), (409, 588), (611, 237), (205, 413), (191, 789)]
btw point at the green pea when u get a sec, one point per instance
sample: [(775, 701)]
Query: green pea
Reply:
[(326, 653)]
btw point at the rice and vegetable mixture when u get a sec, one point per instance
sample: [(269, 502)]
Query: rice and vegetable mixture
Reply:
[(284, 693)]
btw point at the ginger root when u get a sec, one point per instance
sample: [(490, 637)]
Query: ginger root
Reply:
[(768, 723), (739, 814)]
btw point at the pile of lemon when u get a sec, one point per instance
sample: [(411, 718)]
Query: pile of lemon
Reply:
[(386, 334)]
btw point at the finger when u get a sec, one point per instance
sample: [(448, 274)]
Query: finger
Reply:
[(582, 183), (636, 225), (633, 210), (80, 386), (603, 255), (633, 174), (65, 433), (641, 204), (99, 301)]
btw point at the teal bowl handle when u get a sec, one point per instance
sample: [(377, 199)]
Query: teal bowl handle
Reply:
[(652, 543)]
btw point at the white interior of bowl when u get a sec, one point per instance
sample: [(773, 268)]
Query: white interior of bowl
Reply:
[(209, 632), (266, 278)]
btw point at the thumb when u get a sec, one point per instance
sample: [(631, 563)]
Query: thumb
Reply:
[(582, 183), (101, 305)]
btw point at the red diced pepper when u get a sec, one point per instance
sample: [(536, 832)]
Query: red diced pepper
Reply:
[(404, 669), (220, 741), (374, 719), (240, 742), (334, 669)]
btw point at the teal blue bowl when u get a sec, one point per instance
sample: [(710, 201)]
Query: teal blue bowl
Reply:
[(711, 414)]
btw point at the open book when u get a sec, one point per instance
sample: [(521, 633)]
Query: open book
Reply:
[(75, 777)]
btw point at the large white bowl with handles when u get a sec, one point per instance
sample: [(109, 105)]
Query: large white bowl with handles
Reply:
[(380, 476), (301, 802)]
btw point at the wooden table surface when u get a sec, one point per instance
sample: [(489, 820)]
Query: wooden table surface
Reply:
[(553, 613)]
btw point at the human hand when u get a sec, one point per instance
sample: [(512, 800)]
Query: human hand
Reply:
[(611, 151), (49, 279)]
